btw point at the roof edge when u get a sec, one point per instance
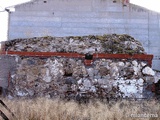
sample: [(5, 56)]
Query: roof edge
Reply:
[(138, 6)]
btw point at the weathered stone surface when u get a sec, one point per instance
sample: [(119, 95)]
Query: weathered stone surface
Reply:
[(111, 43), (70, 80), (69, 77), (148, 71), (157, 77), (62, 77)]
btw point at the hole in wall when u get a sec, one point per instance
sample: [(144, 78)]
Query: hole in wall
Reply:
[(44, 1), (124, 5), (67, 74), (88, 57), (157, 87), (0, 90)]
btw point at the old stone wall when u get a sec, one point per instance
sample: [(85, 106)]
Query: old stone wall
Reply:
[(69, 78)]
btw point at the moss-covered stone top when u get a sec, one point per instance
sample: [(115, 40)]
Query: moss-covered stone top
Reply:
[(107, 43)]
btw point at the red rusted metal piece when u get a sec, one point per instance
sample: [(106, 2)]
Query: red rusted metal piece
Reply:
[(43, 54), (123, 56), (143, 57), (88, 62)]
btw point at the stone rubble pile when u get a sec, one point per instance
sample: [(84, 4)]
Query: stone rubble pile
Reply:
[(111, 43), (69, 78)]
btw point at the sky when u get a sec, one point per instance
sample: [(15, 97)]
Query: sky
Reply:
[(150, 4), (6, 3)]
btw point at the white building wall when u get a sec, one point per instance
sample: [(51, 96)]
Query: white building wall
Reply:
[(85, 17)]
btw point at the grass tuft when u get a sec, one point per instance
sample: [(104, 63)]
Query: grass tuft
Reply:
[(47, 109)]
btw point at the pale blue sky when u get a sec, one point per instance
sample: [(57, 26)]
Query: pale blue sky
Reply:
[(150, 4), (6, 3)]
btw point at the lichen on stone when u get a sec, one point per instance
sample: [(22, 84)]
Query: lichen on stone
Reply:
[(107, 43)]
